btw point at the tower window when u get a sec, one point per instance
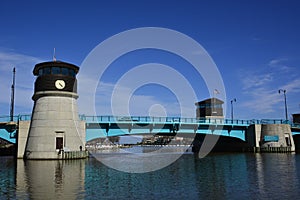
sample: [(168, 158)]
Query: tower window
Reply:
[(65, 71), (47, 70), (40, 72), (72, 72), (55, 70)]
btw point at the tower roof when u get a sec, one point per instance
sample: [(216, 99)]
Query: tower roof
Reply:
[(54, 64), (210, 101)]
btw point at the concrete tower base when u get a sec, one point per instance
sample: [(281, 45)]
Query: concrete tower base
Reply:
[(56, 132)]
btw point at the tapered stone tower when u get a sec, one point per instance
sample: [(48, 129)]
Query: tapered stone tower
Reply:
[(55, 132)]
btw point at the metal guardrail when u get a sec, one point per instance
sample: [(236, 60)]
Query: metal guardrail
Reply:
[(275, 149), (69, 155), (274, 121), (146, 119), (7, 118), (15, 118), (24, 117), (167, 120)]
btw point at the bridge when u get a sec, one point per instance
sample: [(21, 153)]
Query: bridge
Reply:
[(8, 129), (105, 126)]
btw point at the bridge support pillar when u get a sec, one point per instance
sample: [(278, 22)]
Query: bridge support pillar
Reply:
[(22, 137), (270, 138)]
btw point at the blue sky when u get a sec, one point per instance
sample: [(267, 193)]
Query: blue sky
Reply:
[(254, 44)]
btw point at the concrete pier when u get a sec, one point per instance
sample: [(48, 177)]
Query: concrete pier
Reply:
[(270, 138)]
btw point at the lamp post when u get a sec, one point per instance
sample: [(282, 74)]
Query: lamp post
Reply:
[(284, 91), (12, 99), (233, 100)]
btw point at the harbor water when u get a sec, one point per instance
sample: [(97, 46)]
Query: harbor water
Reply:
[(216, 176)]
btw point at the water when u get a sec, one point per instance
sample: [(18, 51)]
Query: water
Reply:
[(217, 176)]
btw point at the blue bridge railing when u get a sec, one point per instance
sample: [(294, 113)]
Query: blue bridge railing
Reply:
[(7, 118), (147, 119), (187, 124)]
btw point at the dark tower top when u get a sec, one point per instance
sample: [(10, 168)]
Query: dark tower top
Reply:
[(296, 118), (55, 76), (209, 108)]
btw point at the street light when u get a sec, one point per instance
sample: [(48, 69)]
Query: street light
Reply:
[(12, 99), (284, 91), (233, 100)]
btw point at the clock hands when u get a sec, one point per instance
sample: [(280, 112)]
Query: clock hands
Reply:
[(60, 84)]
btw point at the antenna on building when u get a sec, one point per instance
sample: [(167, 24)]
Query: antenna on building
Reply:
[(12, 100), (54, 58)]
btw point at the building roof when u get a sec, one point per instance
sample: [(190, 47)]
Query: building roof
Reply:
[(210, 101), (54, 64)]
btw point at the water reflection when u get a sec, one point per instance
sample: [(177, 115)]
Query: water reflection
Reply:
[(244, 176), (276, 175), (222, 176), (140, 159), (7, 178), (55, 179), (217, 176)]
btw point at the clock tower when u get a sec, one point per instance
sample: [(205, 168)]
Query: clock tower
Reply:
[(55, 132)]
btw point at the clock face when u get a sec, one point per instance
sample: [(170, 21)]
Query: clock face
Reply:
[(60, 84)]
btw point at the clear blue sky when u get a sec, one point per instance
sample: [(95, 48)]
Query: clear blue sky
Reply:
[(255, 45)]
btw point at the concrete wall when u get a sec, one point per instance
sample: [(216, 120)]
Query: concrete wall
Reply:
[(257, 135), (283, 131), (254, 135), (22, 136), (23, 131)]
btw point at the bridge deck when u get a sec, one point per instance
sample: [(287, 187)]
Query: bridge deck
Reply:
[(101, 126)]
